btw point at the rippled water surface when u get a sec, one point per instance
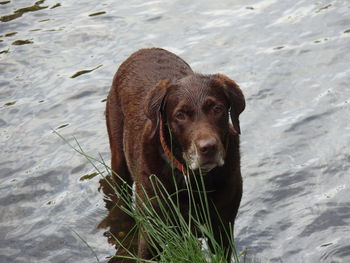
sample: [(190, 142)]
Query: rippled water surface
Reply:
[(292, 60)]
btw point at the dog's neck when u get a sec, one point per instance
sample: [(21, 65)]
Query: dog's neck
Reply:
[(170, 158)]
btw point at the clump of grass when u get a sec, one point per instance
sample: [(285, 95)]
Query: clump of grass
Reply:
[(172, 238)]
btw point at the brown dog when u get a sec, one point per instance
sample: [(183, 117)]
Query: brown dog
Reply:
[(155, 93)]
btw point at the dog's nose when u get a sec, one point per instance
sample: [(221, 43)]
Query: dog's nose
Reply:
[(207, 147)]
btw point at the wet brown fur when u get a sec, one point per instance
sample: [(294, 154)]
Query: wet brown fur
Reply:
[(146, 89)]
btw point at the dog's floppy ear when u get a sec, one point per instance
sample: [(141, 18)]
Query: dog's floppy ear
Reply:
[(154, 102), (235, 97)]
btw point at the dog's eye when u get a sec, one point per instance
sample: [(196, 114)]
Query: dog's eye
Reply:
[(180, 116), (218, 109)]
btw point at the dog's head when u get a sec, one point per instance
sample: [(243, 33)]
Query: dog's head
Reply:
[(196, 109)]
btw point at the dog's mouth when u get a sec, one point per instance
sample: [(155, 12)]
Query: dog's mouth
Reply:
[(203, 164), (206, 168)]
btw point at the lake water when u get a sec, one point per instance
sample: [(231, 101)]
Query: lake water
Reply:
[(291, 59)]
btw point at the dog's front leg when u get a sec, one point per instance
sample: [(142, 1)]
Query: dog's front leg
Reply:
[(144, 251)]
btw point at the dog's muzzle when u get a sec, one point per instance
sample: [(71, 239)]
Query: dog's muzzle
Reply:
[(205, 155)]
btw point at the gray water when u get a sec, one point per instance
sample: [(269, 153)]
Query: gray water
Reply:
[(291, 59)]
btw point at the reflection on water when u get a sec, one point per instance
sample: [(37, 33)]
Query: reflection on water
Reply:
[(19, 12), (121, 231), (291, 58), (81, 72)]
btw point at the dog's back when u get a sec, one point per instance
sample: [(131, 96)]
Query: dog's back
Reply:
[(133, 80), (141, 72)]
